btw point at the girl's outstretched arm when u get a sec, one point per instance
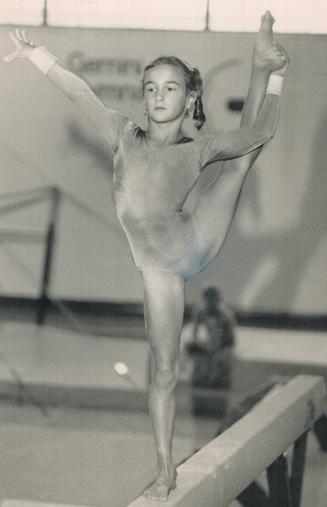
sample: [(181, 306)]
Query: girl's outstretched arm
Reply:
[(225, 145), (254, 100), (71, 85)]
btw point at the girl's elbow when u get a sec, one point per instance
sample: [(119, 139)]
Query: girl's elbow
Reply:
[(271, 133), (268, 134)]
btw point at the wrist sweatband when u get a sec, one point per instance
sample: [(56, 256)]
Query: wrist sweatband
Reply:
[(42, 59), (275, 84)]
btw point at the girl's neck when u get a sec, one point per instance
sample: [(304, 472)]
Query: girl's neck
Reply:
[(163, 134)]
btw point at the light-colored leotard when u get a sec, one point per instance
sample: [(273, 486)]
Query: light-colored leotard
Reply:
[(152, 184)]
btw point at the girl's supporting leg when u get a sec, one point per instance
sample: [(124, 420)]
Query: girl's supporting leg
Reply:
[(217, 205), (164, 309)]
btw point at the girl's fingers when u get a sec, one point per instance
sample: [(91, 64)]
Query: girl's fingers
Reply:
[(29, 42), (21, 36), (13, 38), (19, 39), (24, 36), (18, 34)]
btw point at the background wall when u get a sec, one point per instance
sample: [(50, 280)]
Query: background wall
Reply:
[(275, 256)]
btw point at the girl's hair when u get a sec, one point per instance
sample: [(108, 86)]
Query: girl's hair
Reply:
[(193, 82)]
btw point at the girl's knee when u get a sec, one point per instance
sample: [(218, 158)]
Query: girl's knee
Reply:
[(166, 377)]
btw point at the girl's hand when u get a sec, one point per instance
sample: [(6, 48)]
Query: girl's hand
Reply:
[(24, 46)]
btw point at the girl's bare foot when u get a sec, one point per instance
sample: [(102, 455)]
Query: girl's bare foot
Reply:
[(161, 487), (268, 54)]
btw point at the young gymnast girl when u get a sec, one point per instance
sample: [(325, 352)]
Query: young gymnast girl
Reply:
[(154, 172)]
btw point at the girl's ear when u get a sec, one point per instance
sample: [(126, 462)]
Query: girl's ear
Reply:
[(191, 100)]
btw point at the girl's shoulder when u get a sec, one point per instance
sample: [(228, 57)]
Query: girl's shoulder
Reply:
[(128, 128), (202, 140)]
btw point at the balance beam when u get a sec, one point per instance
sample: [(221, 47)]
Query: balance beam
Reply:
[(220, 471)]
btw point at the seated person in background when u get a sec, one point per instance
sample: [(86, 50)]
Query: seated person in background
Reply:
[(213, 339)]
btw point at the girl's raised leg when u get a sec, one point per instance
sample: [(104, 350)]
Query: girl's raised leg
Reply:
[(217, 205), (164, 309)]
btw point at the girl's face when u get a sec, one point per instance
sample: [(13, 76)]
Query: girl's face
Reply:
[(165, 95)]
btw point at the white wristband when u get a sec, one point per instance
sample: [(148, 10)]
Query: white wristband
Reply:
[(42, 59), (275, 84)]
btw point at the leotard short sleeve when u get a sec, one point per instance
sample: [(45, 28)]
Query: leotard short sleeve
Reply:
[(225, 145)]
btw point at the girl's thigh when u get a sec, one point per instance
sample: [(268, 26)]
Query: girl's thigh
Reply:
[(163, 310), (215, 209)]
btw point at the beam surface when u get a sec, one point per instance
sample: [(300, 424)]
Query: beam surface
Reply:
[(220, 471)]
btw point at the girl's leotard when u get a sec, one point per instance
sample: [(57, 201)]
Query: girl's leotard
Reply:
[(152, 184)]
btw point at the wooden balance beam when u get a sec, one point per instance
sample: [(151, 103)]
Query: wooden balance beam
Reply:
[(220, 471)]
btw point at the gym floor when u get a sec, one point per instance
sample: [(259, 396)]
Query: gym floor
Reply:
[(100, 456)]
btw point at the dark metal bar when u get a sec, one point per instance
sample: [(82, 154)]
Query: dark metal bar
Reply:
[(298, 462), (254, 496), (320, 430), (48, 257), (278, 481)]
